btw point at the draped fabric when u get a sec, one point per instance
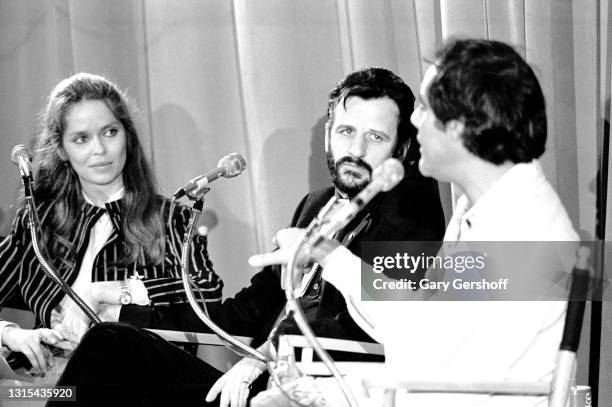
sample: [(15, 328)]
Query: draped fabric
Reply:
[(212, 77)]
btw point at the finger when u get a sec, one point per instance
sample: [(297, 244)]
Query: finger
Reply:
[(70, 337), (236, 396), (35, 355), (50, 336), (289, 237), (297, 277), (214, 390), (49, 358), (283, 276), (43, 354), (244, 395), (268, 259), (39, 351), (225, 398), (29, 354), (66, 345)]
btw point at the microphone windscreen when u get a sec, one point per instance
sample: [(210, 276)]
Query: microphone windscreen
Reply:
[(20, 150), (233, 164)]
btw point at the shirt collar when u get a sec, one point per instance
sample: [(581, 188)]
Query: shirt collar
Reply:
[(340, 196), (113, 197), (112, 207)]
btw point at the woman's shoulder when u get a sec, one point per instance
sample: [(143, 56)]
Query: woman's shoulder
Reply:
[(180, 211), (42, 207), (20, 214)]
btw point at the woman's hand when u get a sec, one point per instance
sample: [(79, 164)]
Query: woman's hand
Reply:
[(75, 323), (31, 342), (235, 384), (98, 296)]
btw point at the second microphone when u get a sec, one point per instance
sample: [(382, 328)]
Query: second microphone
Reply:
[(227, 167)]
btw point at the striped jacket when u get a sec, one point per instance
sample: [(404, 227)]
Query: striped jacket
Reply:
[(21, 274)]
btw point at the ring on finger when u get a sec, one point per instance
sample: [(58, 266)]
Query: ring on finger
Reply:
[(248, 384)]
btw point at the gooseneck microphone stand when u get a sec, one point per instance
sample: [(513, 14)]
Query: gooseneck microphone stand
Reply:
[(293, 307), (312, 235), (33, 225), (232, 343)]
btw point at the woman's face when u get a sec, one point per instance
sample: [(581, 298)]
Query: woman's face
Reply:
[(94, 143)]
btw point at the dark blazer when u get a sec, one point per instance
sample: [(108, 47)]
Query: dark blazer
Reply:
[(411, 211)]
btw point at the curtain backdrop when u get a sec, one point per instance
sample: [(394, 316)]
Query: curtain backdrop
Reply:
[(213, 77)]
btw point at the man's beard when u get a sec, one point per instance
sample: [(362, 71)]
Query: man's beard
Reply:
[(352, 187)]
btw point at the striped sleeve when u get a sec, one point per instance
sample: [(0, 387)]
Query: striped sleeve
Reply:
[(11, 259), (168, 288)]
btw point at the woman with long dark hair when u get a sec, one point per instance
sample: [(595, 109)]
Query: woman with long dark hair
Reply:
[(104, 228)]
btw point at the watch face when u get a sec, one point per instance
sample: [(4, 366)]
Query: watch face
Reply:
[(125, 299)]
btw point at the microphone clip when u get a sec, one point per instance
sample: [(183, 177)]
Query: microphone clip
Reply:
[(197, 194), (28, 184)]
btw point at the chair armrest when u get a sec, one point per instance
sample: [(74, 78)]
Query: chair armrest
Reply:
[(517, 388), (361, 369), (376, 375), (345, 345), (195, 337)]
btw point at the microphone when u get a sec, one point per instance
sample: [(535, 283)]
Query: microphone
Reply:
[(384, 178), (22, 157), (227, 167)]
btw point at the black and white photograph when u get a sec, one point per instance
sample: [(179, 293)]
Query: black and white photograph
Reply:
[(305, 203)]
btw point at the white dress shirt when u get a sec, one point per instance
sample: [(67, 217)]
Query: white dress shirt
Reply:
[(472, 340), (68, 318)]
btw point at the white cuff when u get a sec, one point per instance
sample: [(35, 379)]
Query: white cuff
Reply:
[(138, 291)]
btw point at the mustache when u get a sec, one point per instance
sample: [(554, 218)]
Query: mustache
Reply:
[(356, 161)]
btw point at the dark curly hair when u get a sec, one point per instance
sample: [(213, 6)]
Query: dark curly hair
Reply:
[(495, 93), (372, 83)]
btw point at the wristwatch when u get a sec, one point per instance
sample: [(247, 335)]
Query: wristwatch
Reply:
[(125, 298)]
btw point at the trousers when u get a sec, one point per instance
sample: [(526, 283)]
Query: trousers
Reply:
[(117, 364)]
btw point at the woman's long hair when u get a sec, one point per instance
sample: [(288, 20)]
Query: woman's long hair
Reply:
[(57, 182)]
